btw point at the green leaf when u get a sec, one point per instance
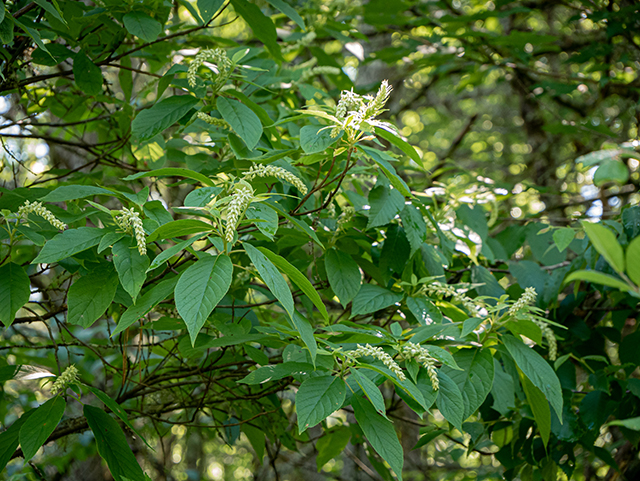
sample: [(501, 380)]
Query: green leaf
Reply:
[(131, 266), (385, 204), (14, 291), (313, 139), (450, 402), (147, 301), (424, 310), (178, 228), (167, 254), (537, 370), (298, 279), (629, 423), (373, 298), (112, 445), (611, 171), (382, 159), (414, 227), (33, 33), (300, 224), (208, 8), (117, 410), (161, 116), (73, 192), (344, 275), (599, 278), (317, 398), (474, 379), (108, 240), (6, 30), (470, 325), (265, 219), (200, 289), (201, 197), (241, 119), (633, 261), (261, 25), (305, 329), (87, 75), (68, 243), (173, 172), (271, 277), (9, 439), (380, 434), (289, 11), (605, 242), (540, 408), (91, 295), (277, 372), (37, 429), (563, 237), (142, 26), (51, 8), (331, 445), (401, 144), (370, 390)]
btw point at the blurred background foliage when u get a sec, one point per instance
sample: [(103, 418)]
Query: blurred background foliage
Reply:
[(528, 110)]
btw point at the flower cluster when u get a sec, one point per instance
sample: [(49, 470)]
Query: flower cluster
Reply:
[(421, 354), (547, 332), (219, 58), (261, 170), (130, 222), (527, 298), (38, 209), (239, 202), (68, 376), (380, 355), (449, 291), (353, 109), (303, 42), (347, 214), (213, 120), (322, 70)]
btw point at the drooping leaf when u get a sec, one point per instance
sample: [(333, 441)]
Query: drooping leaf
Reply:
[(14, 291), (147, 301), (91, 295), (87, 75), (537, 370), (414, 227), (142, 26), (633, 261), (317, 398), (68, 243), (385, 204), (405, 147), (117, 410), (379, 433), (382, 159), (241, 119), (112, 445), (344, 275), (370, 390), (605, 242), (450, 401), (200, 289), (372, 298), (599, 278), (305, 329), (131, 266), (39, 426), (331, 445), (475, 378), (167, 254), (10, 438), (540, 408), (298, 279), (173, 172), (265, 219), (314, 139), (424, 310), (271, 277), (161, 116), (289, 11), (563, 237), (72, 192), (260, 24), (208, 8), (178, 228)]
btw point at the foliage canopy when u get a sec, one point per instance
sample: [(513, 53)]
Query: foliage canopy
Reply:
[(397, 240)]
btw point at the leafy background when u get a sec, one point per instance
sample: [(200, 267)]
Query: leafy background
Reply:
[(521, 119)]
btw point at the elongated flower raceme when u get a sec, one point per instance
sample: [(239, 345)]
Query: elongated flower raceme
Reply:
[(261, 170), (68, 376), (421, 354), (239, 202), (322, 70), (130, 222), (216, 56), (356, 109), (527, 298), (213, 120), (376, 105), (38, 209), (449, 291), (379, 354), (303, 42)]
